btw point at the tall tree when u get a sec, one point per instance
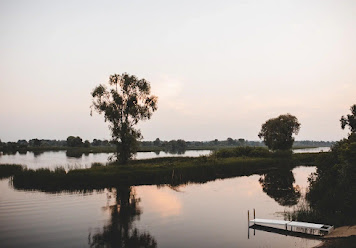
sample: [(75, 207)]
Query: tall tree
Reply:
[(277, 132), (124, 102), (349, 120)]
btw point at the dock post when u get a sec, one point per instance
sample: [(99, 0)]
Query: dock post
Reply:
[(248, 224), (254, 214)]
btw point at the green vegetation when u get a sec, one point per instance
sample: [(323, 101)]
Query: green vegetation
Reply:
[(246, 151), (173, 171), (124, 103), (332, 189), (74, 141), (104, 146), (277, 132), (349, 120), (7, 170)]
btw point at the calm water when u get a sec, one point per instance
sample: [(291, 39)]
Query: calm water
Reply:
[(312, 150), (213, 214)]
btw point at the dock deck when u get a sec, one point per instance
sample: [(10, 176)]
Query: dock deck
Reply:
[(322, 228)]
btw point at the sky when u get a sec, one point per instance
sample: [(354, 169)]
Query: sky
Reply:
[(219, 68)]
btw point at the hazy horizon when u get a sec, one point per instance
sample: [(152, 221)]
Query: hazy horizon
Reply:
[(219, 69)]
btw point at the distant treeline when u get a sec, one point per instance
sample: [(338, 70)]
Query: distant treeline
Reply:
[(175, 146)]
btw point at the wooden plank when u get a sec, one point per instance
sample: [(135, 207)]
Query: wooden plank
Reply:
[(270, 222), (305, 225)]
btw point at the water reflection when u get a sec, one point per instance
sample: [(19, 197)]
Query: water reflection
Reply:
[(278, 185), (120, 231), (74, 154), (37, 153)]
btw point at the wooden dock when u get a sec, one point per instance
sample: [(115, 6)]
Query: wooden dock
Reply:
[(293, 226)]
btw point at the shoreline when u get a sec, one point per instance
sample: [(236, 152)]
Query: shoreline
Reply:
[(343, 236)]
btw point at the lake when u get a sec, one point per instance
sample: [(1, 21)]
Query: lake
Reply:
[(213, 214)]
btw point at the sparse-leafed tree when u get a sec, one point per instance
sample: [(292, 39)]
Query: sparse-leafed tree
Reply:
[(277, 132), (349, 120), (124, 102)]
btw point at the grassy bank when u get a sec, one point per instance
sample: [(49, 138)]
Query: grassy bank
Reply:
[(173, 171)]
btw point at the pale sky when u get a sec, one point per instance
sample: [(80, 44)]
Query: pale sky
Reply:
[(219, 68)]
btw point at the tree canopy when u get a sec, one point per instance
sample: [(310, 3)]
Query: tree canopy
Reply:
[(277, 132), (124, 101), (349, 120), (74, 141)]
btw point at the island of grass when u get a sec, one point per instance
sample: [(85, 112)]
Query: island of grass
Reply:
[(225, 163)]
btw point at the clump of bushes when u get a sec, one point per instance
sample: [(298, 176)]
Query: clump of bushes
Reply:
[(332, 188), (244, 151)]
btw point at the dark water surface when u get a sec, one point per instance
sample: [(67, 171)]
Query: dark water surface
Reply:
[(213, 214)]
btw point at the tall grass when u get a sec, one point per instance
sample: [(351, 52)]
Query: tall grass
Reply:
[(166, 170), (173, 171), (7, 170), (243, 151)]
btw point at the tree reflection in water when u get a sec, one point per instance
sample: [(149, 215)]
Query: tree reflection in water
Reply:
[(278, 185), (120, 231)]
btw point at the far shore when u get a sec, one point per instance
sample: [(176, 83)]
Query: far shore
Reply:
[(112, 149)]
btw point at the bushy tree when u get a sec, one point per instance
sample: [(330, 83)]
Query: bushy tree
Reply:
[(157, 142), (349, 120), (124, 102), (86, 143), (332, 188), (74, 141), (277, 132), (35, 142), (176, 146)]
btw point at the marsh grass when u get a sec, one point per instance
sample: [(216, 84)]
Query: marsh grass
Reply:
[(172, 171), (7, 170), (165, 170), (303, 212)]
